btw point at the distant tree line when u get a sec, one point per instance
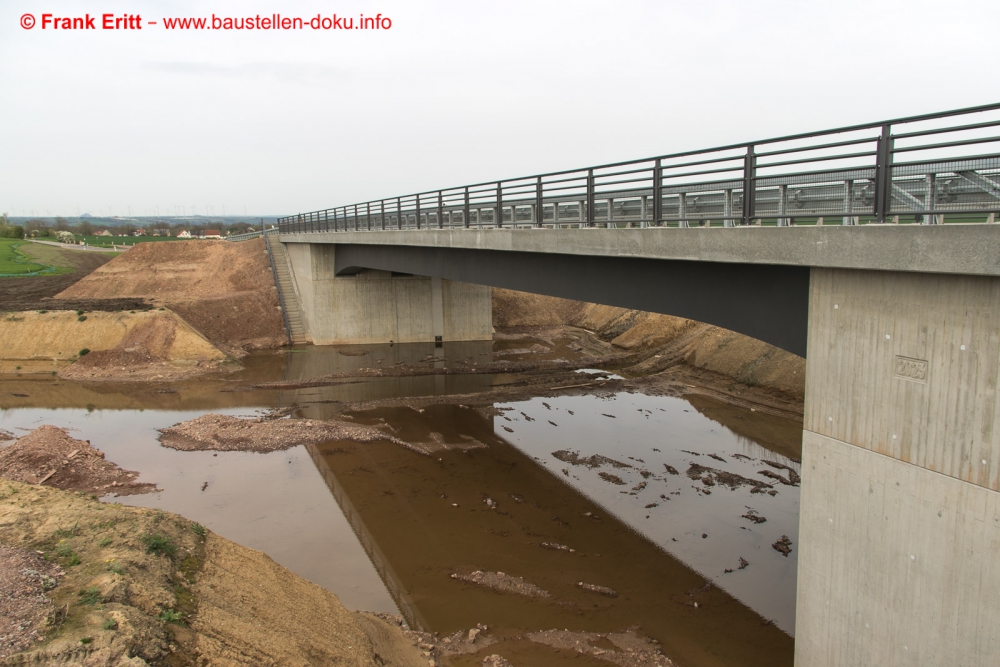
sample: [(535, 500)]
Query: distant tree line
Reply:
[(42, 227), (9, 231)]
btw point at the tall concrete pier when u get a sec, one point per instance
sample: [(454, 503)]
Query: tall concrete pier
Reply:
[(899, 562)]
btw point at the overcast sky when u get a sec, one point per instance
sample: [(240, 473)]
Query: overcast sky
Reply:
[(454, 92)]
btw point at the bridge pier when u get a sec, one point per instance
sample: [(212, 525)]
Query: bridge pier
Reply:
[(379, 306), (899, 560)]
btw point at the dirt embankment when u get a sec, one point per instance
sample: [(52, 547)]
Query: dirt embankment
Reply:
[(126, 587), (139, 345), (224, 290), (89, 583), (660, 342)]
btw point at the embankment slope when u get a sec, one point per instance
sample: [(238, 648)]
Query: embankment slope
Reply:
[(149, 343), (661, 340), (224, 290)]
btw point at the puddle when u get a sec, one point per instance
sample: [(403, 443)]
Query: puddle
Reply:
[(615, 541)]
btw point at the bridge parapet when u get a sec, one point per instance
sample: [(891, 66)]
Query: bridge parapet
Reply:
[(917, 169)]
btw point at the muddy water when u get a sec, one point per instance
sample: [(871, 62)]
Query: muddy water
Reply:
[(385, 528)]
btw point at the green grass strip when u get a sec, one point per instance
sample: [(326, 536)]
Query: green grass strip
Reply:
[(15, 264)]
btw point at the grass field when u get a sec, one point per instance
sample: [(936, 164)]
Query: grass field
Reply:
[(106, 241), (13, 262)]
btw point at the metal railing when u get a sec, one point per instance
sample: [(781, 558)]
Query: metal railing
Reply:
[(917, 169)]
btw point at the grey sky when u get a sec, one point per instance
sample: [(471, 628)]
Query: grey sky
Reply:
[(285, 121)]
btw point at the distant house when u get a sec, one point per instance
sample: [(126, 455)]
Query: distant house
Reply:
[(103, 232), (184, 234), (212, 234)]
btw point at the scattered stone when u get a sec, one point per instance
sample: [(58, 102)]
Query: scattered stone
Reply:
[(556, 547), (595, 461), (784, 546), (25, 576), (496, 661), (743, 563), (614, 479), (717, 457), (594, 588), (504, 583), (752, 515), (672, 470), (729, 479)]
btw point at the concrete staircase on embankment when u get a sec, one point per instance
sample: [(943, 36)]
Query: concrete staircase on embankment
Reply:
[(286, 291)]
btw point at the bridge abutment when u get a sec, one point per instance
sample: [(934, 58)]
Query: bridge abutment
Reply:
[(379, 306), (899, 560)]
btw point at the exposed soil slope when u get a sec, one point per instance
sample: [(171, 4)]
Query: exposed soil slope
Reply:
[(661, 340), (224, 290), (143, 586), (148, 343)]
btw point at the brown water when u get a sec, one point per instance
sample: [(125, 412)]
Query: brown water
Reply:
[(384, 527)]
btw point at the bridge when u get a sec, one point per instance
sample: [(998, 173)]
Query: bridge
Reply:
[(872, 250)]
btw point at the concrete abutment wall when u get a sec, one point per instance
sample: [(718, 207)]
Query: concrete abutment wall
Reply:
[(379, 307), (899, 560)]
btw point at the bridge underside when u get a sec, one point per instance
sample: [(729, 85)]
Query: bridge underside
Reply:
[(766, 302)]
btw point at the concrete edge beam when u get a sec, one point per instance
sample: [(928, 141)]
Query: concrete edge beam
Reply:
[(965, 249)]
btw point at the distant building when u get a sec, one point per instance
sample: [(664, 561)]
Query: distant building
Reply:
[(212, 234), (104, 232), (184, 234)]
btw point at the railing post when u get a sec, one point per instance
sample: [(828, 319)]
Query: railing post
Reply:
[(418, 211), (727, 210), (440, 210), (929, 192), (782, 205), (381, 215), (498, 221), (749, 185), (538, 202), (399, 212), (848, 202), (368, 216), (657, 193), (682, 210), (465, 209), (590, 197), (883, 174)]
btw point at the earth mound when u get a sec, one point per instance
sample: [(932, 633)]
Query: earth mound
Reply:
[(225, 290), (49, 456)]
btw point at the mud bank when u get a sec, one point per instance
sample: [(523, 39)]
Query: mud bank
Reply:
[(144, 345), (49, 456), (132, 586)]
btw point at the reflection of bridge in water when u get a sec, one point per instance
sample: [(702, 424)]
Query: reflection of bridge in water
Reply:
[(400, 506)]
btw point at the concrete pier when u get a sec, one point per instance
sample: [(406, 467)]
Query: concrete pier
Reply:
[(379, 306), (899, 561)]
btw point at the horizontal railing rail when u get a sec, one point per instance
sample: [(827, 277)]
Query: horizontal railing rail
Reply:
[(927, 169)]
